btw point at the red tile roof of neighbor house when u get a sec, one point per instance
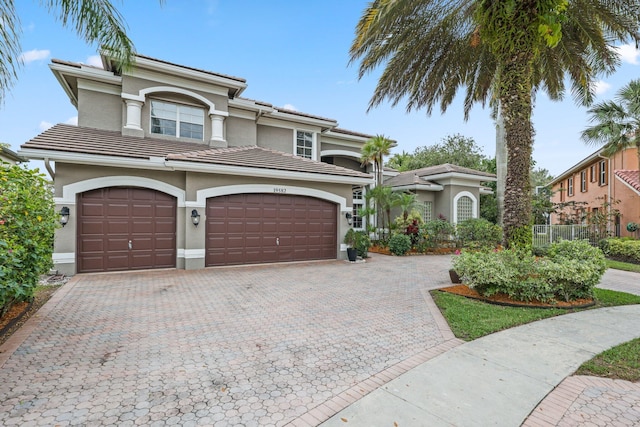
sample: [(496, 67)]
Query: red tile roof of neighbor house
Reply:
[(74, 139), (630, 177)]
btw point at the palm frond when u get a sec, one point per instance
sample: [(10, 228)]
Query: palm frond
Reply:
[(10, 60)]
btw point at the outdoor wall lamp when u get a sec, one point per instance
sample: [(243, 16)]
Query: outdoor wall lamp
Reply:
[(195, 217), (349, 218), (64, 215)]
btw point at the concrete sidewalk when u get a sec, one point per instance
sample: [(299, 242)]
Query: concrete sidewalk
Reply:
[(495, 380)]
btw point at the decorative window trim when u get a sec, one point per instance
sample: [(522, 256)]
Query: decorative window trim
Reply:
[(313, 143), (474, 207), (358, 221)]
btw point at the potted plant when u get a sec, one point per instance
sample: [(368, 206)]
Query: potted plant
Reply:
[(350, 240)]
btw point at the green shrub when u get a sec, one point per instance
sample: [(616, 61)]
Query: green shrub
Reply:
[(399, 244), (27, 223), (569, 272), (478, 233), (436, 232), (362, 243), (624, 249)]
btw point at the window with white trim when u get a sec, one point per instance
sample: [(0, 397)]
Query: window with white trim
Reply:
[(464, 208), (177, 120), (602, 172), (304, 144), (583, 181), (358, 203), (570, 186)]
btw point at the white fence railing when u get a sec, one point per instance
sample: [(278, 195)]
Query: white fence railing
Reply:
[(546, 234)]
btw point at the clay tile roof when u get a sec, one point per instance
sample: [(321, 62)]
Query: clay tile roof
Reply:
[(75, 139), (258, 157), (420, 176), (630, 177)]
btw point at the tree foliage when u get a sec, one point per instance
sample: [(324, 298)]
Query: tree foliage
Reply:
[(27, 224), (501, 51), (617, 122), (95, 21), (454, 149)]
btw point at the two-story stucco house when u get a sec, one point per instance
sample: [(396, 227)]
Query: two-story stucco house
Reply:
[(596, 182), (171, 167)]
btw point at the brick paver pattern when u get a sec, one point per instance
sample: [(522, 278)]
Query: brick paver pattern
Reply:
[(261, 345)]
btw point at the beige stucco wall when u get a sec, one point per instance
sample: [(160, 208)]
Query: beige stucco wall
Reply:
[(348, 163), (326, 146), (275, 138), (241, 132), (99, 110)]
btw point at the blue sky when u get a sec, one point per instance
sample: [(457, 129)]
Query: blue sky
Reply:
[(293, 54)]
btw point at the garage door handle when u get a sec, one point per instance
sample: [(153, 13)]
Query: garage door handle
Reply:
[(277, 241), (130, 245)]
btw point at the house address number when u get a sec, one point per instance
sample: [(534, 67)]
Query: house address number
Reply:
[(279, 190)]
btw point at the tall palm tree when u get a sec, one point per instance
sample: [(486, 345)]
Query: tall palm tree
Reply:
[(617, 123), (502, 52), (374, 151), (96, 21)]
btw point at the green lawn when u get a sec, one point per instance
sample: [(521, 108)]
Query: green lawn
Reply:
[(470, 319), (626, 266)]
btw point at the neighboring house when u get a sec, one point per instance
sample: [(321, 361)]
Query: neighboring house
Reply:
[(448, 191), (169, 167), (586, 188), (9, 156)]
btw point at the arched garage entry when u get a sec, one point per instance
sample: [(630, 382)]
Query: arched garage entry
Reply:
[(125, 228), (269, 227)]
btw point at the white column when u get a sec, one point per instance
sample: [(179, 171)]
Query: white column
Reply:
[(217, 127), (134, 114)]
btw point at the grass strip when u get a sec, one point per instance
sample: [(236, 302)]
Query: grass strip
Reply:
[(626, 266)]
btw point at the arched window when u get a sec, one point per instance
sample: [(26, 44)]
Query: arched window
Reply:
[(464, 208)]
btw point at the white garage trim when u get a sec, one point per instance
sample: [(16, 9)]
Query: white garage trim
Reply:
[(203, 195), (70, 191), (455, 205)]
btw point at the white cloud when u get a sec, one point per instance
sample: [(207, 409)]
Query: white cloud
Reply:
[(290, 107), (601, 87), (94, 61), (44, 126), (628, 53), (34, 55), (72, 121)]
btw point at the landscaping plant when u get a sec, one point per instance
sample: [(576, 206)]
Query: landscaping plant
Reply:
[(623, 249), (478, 233), (27, 223), (399, 244)]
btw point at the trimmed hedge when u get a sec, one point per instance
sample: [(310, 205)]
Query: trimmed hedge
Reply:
[(623, 249), (569, 272)]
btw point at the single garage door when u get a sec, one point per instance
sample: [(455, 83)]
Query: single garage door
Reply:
[(125, 228), (258, 228)]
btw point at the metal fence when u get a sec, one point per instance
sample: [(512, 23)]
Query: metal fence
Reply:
[(546, 234)]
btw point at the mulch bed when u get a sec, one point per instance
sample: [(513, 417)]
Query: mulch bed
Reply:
[(503, 299)]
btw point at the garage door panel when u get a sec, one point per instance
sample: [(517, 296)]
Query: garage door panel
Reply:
[(245, 228), (111, 217)]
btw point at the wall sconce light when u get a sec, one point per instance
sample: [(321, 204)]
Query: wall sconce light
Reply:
[(195, 217), (349, 218), (64, 215)]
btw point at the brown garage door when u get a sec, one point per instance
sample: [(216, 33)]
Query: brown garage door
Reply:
[(257, 228), (122, 228)]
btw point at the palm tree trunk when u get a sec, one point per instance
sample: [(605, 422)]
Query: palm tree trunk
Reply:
[(515, 100), (501, 164)]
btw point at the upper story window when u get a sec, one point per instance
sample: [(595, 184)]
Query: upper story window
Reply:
[(570, 186), (304, 144), (602, 172), (594, 173), (583, 181), (562, 195), (177, 120)]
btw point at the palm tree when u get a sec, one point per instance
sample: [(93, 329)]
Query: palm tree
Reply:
[(374, 151), (94, 21), (617, 123), (501, 51)]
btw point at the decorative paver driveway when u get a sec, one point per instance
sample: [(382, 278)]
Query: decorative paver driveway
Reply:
[(261, 345)]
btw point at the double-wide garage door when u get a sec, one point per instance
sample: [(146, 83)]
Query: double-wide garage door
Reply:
[(259, 228), (122, 228)]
